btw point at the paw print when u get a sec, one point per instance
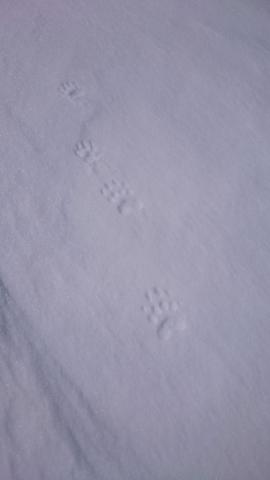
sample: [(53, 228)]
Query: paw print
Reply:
[(122, 196), (71, 91), (158, 304), (163, 312), (86, 151), (114, 191)]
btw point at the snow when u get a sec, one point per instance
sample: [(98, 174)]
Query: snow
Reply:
[(135, 234)]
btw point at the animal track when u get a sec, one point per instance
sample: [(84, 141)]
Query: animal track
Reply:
[(71, 91), (116, 192), (163, 312), (85, 150), (122, 196)]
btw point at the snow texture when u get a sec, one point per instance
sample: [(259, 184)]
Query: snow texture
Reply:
[(134, 240)]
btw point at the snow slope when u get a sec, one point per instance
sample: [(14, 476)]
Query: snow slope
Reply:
[(134, 240)]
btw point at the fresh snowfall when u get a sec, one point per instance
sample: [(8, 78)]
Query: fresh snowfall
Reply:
[(134, 240)]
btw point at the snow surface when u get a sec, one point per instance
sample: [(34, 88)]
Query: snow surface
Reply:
[(134, 240)]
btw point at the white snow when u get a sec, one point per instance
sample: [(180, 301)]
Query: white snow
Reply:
[(134, 240)]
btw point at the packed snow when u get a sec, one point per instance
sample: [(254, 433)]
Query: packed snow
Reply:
[(134, 240)]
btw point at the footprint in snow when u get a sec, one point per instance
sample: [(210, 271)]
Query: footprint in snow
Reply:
[(72, 91), (86, 151), (163, 312), (118, 193)]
